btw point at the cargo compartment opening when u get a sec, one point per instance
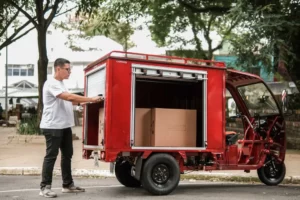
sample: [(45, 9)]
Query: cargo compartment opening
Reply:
[(94, 128), (169, 113)]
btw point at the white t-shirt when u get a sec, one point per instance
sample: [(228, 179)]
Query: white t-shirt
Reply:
[(57, 113)]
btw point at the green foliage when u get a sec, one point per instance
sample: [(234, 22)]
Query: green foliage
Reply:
[(105, 21), (172, 19), (169, 20), (29, 126), (9, 17), (114, 20), (119, 31), (185, 53), (268, 34)]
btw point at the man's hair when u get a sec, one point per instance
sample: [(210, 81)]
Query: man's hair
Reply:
[(60, 62)]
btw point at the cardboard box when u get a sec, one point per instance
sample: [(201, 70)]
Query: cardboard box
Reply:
[(101, 126), (173, 128), (142, 127)]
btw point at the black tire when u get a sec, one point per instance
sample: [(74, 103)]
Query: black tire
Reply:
[(160, 174), (271, 173), (123, 174)]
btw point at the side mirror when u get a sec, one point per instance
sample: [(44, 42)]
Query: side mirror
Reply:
[(232, 110)]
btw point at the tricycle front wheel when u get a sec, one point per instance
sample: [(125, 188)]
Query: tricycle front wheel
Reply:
[(272, 172), (161, 174)]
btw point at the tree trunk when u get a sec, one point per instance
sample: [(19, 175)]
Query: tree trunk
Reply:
[(42, 67), (210, 52)]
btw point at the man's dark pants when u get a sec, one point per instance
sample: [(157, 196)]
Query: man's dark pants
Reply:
[(58, 139)]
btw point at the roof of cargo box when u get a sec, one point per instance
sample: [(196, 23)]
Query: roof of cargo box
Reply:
[(238, 78), (159, 58)]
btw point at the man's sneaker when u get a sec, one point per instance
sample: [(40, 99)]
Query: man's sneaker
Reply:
[(72, 189), (47, 192)]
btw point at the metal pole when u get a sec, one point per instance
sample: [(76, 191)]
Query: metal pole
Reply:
[(6, 80)]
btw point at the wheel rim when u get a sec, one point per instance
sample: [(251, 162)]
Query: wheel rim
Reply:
[(160, 174), (272, 170)]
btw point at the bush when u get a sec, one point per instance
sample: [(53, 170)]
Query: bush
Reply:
[(29, 126)]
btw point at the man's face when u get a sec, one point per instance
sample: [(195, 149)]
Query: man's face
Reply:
[(65, 71)]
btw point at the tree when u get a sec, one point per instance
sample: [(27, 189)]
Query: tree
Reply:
[(40, 14), (118, 31), (85, 28), (168, 20), (200, 17), (9, 17), (114, 19), (270, 36)]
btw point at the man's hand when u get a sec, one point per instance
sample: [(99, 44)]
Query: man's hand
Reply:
[(97, 99)]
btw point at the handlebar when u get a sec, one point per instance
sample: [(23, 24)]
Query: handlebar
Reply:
[(244, 116)]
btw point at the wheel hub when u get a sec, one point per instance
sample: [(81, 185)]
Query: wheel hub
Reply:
[(160, 174), (273, 169)]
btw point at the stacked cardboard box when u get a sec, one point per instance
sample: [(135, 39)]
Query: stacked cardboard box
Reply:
[(160, 127), (142, 127)]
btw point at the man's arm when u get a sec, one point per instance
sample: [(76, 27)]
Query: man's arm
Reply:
[(75, 99)]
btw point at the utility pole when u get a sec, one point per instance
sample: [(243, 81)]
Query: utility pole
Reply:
[(6, 76)]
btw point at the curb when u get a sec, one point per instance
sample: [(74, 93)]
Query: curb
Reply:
[(214, 177), (235, 178), (35, 171)]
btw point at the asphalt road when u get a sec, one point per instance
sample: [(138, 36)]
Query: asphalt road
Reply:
[(27, 188)]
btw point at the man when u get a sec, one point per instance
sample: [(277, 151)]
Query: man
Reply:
[(56, 123), (1, 111)]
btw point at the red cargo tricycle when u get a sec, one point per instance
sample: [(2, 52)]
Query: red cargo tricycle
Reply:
[(165, 115)]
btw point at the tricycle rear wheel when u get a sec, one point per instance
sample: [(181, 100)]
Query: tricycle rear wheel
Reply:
[(123, 173), (160, 174), (272, 172)]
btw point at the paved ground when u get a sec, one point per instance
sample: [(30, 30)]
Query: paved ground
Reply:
[(109, 188), (15, 156), (31, 154)]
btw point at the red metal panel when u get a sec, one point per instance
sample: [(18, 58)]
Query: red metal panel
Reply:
[(118, 105), (215, 109)]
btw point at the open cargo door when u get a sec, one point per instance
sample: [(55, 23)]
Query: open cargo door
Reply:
[(94, 120)]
